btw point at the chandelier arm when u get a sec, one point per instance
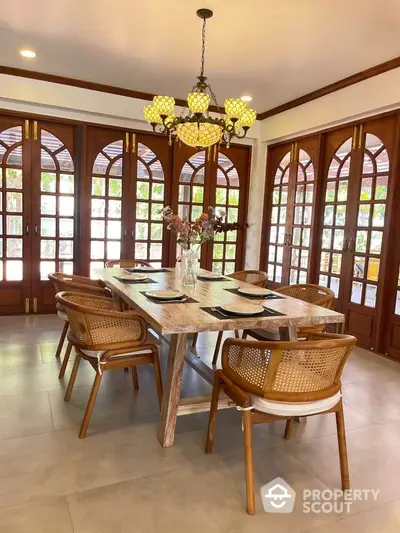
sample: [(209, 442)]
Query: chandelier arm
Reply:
[(203, 47)]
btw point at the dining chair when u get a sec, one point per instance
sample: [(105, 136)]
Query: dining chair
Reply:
[(64, 282), (126, 263), (255, 277), (108, 339), (270, 381), (307, 292)]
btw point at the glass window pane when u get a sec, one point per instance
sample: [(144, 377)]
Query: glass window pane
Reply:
[(183, 211), (278, 273), (382, 162), (397, 309), (328, 215), (142, 210), (48, 182), (338, 239), (295, 257), (46, 268), (342, 191), (281, 234), (300, 194), (381, 187), (67, 267), (309, 193), (284, 195), (97, 229), (330, 191), (356, 292), (220, 195), (368, 165), (142, 172), (157, 191), (302, 276), (47, 205), (113, 249), (345, 170), (47, 249), (66, 206), (324, 263), (271, 253), (66, 227), (359, 267), (298, 215), (233, 214), (375, 244), (271, 269), (142, 231), (97, 249), (378, 215), (48, 227), (66, 184), (184, 193), (197, 194), (305, 241), (114, 208), (274, 215), (217, 267), (66, 250), (373, 268), (326, 238), (155, 251), (156, 231), (361, 241), (293, 276), (296, 240), (234, 196), (229, 267), (282, 215), (336, 263), (273, 234), (340, 219), (114, 187), (98, 207), (370, 295), (142, 190), (98, 186), (363, 215), (93, 266), (14, 202), (14, 248), (114, 230), (323, 281), (156, 211), (334, 285), (366, 189), (196, 212), (279, 254), (218, 251), (14, 270), (14, 224), (307, 215), (13, 178), (304, 259)]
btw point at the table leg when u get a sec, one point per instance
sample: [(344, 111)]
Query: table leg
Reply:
[(172, 389), (288, 333)]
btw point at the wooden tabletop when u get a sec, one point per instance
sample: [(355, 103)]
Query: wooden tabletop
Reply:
[(178, 318)]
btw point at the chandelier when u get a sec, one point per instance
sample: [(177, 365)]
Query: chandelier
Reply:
[(194, 126)]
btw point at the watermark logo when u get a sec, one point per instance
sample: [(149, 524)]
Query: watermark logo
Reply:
[(277, 496)]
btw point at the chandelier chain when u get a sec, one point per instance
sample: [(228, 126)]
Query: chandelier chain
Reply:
[(203, 46)]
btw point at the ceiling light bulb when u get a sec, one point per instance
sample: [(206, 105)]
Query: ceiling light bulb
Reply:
[(28, 53), (246, 98)]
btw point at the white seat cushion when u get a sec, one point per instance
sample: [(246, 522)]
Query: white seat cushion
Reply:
[(95, 354), (294, 408), (62, 315)]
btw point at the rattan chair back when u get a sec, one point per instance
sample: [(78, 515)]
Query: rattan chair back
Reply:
[(255, 277)]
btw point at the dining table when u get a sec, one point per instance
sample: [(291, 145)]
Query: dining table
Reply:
[(198, 312)]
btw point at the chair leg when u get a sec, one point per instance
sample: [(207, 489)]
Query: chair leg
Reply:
[(341, 435), (90, 405), (194, 341), (62, 339), (126, 369), (135, 378), (244, 335), (157, 375), (237, 334), (65, 361), (72, 378), (288, 428), (217, 347), (213, 415), (248, 456)]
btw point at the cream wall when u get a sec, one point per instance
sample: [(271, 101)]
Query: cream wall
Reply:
[(62, 101)]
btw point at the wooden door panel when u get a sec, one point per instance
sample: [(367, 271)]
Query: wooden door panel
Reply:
[(228, 193), (15, 274), (53, 208)]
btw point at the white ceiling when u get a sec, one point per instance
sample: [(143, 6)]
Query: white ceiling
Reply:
[(274, 50)]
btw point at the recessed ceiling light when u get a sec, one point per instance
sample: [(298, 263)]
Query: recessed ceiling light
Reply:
[(246, 98), (27, 53)]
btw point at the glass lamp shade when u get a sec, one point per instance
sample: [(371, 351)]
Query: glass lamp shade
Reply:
[(152, 115), (169, 120), (198, 102), (248, 118), (164, 104), (199, 135), (235, 107)]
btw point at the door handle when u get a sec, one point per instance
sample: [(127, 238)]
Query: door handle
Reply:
[(125, 233), (27, 229), (345, 245), (285, 240), (36, 230), (132, 234), (289, 241)]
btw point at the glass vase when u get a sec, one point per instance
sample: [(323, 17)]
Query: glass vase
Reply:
[(189, 266)]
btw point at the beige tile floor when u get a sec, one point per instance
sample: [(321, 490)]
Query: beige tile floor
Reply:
[(119, 479)]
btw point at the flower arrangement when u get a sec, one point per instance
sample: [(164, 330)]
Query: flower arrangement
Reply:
[(200, 230)]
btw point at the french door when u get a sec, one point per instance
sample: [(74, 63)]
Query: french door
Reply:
[(290, 202), (218, 178), (357, 172), (37, 211)]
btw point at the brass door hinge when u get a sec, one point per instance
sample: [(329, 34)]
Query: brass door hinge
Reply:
[(26, 129), (133, 143), (35, 130), (126, 142), (353, 146), (35, 305), (27, 305), (361, 136)]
